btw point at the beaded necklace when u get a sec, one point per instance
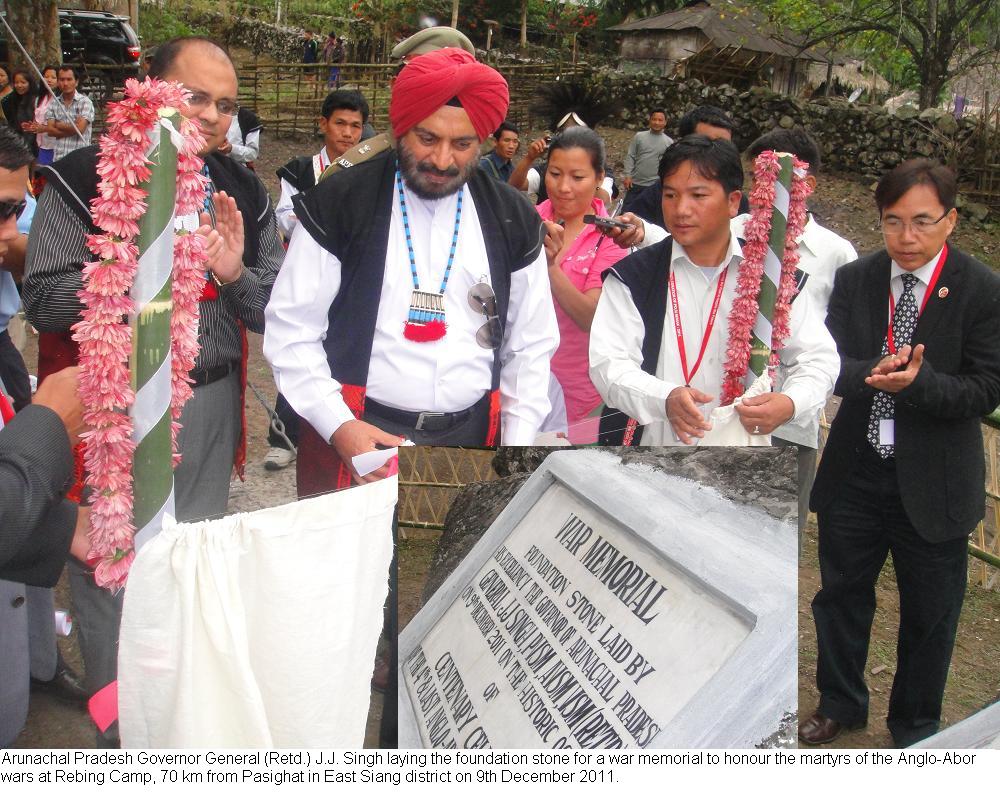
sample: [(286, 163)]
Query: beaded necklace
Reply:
[(425, 321)]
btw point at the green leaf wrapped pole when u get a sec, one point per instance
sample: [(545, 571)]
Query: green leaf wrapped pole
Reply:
[(153, 475), (760, 337)]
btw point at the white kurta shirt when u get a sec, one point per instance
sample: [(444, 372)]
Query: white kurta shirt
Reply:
[(616, 348), (821, 253), (448, 375)]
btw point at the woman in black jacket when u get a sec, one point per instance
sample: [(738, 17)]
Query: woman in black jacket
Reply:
[(19, 107)]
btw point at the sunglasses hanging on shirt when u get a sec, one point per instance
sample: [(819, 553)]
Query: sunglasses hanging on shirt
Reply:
[(482, 299)]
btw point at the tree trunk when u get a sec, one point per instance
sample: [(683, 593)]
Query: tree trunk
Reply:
[(930, 91), (36, 24), (454, 14), (933, 77), (524, 25)]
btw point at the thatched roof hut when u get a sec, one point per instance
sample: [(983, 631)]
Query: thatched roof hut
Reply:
[(717, 41)]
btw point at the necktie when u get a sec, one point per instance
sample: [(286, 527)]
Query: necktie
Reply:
[(904, 320)]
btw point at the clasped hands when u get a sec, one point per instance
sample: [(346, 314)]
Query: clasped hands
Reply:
[(224, 241), (759, 415), (888, 377)]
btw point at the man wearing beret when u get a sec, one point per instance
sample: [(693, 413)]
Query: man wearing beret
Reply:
[(414, 301)]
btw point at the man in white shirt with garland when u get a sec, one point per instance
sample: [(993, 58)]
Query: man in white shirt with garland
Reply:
[(821, 253), (659, 339)]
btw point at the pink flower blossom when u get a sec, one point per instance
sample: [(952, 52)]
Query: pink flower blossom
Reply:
[(105, 338), (757, 233)]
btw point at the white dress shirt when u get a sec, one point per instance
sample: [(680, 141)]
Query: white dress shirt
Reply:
[(616, 348), (448, 375), (243, 151), (284, 212), (924, 274), (821, 253)]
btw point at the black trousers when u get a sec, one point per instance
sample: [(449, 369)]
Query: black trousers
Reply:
[(863, 525)]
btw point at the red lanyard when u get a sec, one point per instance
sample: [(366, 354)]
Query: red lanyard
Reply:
[(679, 331), (890, 342)]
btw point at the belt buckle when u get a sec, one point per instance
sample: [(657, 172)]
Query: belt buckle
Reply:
[(427, 415)]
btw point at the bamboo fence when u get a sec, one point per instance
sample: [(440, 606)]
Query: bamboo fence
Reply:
[(287, 97)]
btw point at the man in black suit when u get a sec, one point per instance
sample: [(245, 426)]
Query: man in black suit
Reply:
[(903, 471), (37, 525), (37, 529)]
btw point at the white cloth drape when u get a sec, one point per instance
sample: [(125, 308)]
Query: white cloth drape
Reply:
[(259, 629)]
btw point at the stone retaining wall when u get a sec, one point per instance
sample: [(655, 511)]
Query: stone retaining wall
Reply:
[(862, 139)]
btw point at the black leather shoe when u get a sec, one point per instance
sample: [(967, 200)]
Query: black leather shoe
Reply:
[(64, 685), (823, 730)]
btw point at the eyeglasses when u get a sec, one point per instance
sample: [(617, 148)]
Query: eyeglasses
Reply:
[(225, 107), (892, 226), (11, 209), (482, 299)]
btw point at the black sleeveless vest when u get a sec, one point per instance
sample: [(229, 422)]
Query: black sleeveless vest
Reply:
[(349, 214)]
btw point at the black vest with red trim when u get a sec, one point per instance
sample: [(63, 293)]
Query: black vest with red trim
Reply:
[(299, 172), (349, 215)]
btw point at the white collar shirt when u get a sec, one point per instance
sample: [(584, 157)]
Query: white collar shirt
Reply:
[(924, 274), (447, 375), (617, 333)]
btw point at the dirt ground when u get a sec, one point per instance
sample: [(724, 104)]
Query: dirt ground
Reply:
[(842, 203), (974, 679)]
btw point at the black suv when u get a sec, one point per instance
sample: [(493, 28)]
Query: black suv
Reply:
[(94, 38)]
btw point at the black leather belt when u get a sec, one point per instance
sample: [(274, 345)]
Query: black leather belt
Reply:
[(202, 377), (431, 421)]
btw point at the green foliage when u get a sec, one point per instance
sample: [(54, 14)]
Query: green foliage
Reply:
[(919, 43), (157, 24)]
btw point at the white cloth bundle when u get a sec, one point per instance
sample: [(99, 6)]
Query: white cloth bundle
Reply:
[(726, 428), (258, 629)]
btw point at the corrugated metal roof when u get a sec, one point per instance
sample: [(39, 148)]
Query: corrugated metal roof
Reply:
[(726, 23)]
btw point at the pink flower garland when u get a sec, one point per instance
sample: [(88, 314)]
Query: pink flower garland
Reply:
[(756, 234), (103, 333)]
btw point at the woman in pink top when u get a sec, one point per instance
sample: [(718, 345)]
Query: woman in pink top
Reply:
[(574, 172)]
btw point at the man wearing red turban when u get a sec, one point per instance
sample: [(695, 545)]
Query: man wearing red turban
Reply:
[(413, 301)]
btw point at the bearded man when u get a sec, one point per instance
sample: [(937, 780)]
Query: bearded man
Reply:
[(413, 301)]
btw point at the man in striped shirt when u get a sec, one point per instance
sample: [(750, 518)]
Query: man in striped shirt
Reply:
[(237, 288), (69, 118)]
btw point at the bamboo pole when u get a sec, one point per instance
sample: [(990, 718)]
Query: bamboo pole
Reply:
[(153, 476), (760, 339)]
